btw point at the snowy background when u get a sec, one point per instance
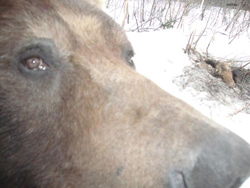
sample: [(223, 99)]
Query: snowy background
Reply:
[(160, 57)]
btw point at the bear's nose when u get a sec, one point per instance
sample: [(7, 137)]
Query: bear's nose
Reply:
[(223, 162)]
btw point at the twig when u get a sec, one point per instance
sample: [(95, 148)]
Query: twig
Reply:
[(178, 13), (187, 49), (245, 65), (183, 14), (136, 22), (196, 28), (125, 14), (235, 16), (215, 28), (143, 11), (108, 2), (169, 9), (201, 34), (152, 11), (245, 107)]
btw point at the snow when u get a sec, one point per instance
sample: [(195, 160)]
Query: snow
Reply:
[(155, 63), (160, 56)]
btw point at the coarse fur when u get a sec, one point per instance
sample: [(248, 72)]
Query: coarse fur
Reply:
[(223, 70), (89, 120)]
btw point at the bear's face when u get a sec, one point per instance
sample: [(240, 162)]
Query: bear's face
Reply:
[(58, 61), (74, 113)]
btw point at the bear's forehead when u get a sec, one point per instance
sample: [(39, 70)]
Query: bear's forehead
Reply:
[(68, 26)]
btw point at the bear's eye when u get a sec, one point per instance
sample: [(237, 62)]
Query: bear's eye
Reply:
[(128, 54), (131, 62), (35, 63)]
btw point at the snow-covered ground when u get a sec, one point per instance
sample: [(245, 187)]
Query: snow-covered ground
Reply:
[(160, 57)]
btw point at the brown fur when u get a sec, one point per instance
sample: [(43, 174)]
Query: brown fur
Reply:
[(225, 72), (90, 120)]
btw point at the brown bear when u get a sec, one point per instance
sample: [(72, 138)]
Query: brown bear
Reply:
[(75, 114)]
